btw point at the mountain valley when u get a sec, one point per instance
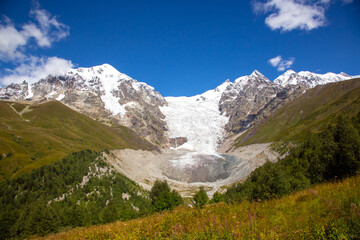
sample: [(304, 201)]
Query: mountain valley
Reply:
[(87, 147)]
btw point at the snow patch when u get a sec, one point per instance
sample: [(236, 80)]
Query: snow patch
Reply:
[(110, 79), (30, 93), (51, 94), (60, 97), (138, 85)]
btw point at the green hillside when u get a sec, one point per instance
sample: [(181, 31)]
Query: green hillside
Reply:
[(331, 154), (35, 135), (79, 190), (307, 114)]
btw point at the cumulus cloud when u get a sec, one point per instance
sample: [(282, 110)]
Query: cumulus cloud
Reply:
[(44, 29), (10, 42), (33, 69), (287, 15), (50, 28), (41, 31), (281, 64)]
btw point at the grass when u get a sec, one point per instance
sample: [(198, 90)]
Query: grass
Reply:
[(307, 114), (51, 131), (326, 211)]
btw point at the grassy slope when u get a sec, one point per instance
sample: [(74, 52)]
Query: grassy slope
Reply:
[(311, 111), (327, 210), (51, 131)]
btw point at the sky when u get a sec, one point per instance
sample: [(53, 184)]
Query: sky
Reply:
[(180, 47)]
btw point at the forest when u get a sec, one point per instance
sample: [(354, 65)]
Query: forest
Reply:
[(79, 190)]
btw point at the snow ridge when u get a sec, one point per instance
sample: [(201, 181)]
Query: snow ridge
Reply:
[(309, 79), (109, 79)]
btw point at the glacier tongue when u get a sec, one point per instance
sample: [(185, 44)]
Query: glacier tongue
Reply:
[(198, 119)]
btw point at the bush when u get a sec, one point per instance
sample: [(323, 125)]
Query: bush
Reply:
[(217, 197), (200, 198), (162, 198)]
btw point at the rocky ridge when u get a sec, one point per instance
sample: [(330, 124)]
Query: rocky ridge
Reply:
[(242, 100)]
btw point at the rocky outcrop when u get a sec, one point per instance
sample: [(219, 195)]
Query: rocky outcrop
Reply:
[(15, 91), (177, 141)]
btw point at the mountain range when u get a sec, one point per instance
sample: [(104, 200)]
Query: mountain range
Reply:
[(199, 122)]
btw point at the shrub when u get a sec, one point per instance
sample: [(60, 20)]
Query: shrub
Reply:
[(162, 198), (200, 198)]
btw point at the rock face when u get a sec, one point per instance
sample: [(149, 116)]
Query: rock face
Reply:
[(16, 91), (243, 99), (197, 123), (177, 141)]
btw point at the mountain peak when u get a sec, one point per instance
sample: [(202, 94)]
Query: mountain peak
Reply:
[(257, 73), (290, 71), (106, 67), (104, 72), (255, 76), (344, 74), (286, 78)]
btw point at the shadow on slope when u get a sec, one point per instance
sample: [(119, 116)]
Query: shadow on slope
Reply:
[(35, 135)]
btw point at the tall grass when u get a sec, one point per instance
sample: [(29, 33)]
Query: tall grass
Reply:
[(326, 211)]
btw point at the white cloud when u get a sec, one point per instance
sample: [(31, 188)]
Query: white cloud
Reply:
[(275, 61), (34, 69), (42, 31), (281, 64), (347, 1), (45, 30), (288, 15), (31, 30), (50, 27), (10, 42)]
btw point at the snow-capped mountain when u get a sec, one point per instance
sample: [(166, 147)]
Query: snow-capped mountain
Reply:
[(309, 79), (197, 123), (104, 94)]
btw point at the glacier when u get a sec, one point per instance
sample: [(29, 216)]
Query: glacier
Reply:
[(197, 118)]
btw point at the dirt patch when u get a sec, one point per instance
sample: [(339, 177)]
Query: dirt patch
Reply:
[(186, 171)]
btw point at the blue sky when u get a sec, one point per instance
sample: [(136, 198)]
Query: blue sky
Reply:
[(179, 47)]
